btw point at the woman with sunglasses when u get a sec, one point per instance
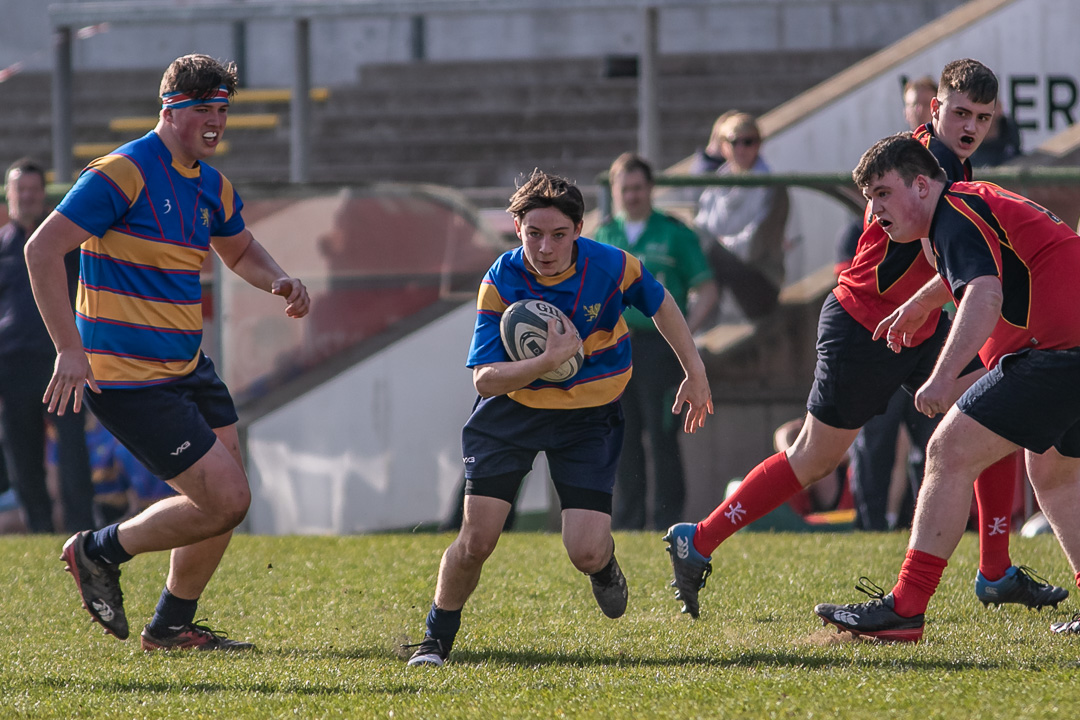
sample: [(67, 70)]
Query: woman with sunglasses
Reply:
[(745, 223)]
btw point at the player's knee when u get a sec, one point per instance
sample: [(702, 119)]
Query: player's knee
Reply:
[(230, 508), (477, 548), (589, 559)]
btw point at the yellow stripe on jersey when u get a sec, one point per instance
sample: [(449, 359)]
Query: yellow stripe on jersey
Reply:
[(110, 306), (487, 298), (227, 196), (111, 368), (590, 394), (632, 273), (141, 251), (122, 172), (601, 340)]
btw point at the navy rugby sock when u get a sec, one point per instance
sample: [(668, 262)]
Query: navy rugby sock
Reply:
[(443, 624), (172, 614), (104, 545)]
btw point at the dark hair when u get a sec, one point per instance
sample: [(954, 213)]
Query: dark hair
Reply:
[(199, 76), (630, 162), (541, 190), (26, 165), (900, 152), (971, 78)]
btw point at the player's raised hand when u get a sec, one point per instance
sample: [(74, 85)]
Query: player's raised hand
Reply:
[(295, 294), (71, 374)]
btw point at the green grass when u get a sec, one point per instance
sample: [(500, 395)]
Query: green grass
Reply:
[(328, 615)]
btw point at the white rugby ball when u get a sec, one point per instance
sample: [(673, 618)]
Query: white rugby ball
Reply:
[(524, 335)]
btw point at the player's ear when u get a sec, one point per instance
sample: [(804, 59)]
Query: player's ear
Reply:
[(935, 107), (922, 185), (578, 227)]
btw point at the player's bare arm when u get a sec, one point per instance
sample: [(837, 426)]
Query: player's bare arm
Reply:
[(45, 251), (244, 255), (900, 326), (505, 377), (694, 389), (976, 317)]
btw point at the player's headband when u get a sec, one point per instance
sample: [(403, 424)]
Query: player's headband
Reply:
[(176, 100)]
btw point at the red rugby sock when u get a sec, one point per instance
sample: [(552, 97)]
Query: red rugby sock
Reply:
[(994, 491), (919, 578), (765, 488)]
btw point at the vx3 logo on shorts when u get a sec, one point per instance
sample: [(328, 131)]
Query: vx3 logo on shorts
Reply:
[(682, 547), (182, 448), (469, 459)]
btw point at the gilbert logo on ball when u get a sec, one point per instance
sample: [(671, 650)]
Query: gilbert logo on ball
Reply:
[(524, 335)]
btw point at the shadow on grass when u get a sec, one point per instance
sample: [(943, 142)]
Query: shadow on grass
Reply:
[(792, 659), (187, 687)]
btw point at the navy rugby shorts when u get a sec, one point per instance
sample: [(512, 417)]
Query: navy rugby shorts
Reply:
[(167, 427), (502, 437), (855, 375), (1032, 398)]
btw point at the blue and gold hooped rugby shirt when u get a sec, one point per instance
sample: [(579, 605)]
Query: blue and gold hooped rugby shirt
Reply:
[(139, 308), (593, 292)]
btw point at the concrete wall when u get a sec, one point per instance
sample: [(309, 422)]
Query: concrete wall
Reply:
[(341, 46), (375, 448), (1030, 45)]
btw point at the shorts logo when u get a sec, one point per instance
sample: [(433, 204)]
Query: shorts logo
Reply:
[(182, 448), (468, 460)]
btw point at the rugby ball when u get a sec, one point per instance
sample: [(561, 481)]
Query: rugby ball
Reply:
[(524, 335)]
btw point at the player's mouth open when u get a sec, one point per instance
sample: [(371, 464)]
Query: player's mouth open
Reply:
[(211, 136), (967, 140)]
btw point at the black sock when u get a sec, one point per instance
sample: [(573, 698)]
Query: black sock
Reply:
[(172, 614)]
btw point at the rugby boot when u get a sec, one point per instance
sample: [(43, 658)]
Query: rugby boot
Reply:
[(192, 636), (1019, 585), (875, 619), (690, 567), (98, 584)]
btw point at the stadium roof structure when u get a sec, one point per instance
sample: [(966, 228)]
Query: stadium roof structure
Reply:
[(67, 18)]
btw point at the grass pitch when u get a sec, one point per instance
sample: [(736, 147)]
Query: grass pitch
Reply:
[(328, 615)]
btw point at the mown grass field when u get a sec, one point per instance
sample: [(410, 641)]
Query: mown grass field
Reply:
[(328, 615)]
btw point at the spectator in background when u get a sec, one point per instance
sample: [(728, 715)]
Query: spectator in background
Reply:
[(746, 223), (672, 253), (123, 487), (11, 519), (26, 363), (918, 94)]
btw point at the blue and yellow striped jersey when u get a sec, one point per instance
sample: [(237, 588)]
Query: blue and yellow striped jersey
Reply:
[(593, 293), (139, 307)]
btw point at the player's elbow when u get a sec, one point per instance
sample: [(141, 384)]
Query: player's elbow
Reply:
[(482, 381)]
